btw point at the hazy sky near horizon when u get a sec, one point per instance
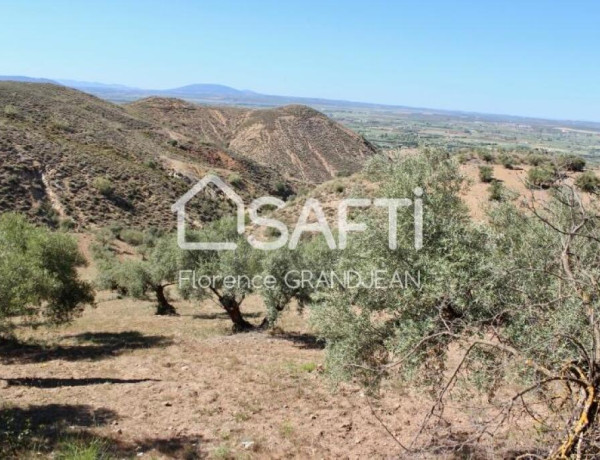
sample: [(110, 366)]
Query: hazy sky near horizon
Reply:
[(528, 57)]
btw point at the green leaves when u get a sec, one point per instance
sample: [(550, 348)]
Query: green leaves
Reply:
[(547, 261), (366, 327), (38, 271)]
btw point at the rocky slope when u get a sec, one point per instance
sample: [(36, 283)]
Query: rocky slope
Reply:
[(67, 155), (300, 142)]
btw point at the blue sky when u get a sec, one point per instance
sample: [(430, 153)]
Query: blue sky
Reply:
[(533, 58)]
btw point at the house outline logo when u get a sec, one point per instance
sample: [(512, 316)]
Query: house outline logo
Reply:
[(179, 207), (311, 206)]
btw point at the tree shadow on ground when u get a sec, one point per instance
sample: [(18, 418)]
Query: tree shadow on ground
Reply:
[(224, 315), (45, 428), (103, 345), (44, 425), (48, 415), (126, 339), (307, 341), (58, 382), (186, 447)]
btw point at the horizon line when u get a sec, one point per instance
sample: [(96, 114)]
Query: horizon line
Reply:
[(324, 99)]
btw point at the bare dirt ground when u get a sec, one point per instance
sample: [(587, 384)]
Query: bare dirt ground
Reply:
[(171, 386), (184, 387), (476, 194)]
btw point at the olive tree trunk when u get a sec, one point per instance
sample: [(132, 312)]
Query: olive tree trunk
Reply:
[(163, 306), (232, 307)]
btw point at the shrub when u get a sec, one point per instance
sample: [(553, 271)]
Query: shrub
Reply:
[(273, 232), (588, 182), (60, 125), (132, 237), (104, 186), (572, 163), (507, 161), (462, 158), (486, 156), (283, 190), (486, 174), (339, 188), (10, 111), (497, 192), (115, 229), (152, 234), (66, 224), (343, 173), (536, 160), (151, 163), (235, 179), (12, 178), (103, 240), (541, 176)]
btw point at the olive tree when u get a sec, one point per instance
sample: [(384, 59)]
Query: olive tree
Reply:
[(226, 276), (548, 263), (444, 281), (38, 272), (151, 272), (429, 296), (288, 268), (229, 277), (518, 296)]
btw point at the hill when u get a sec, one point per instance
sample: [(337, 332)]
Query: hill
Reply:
[(65, 155), (69, 156), (300, 142)]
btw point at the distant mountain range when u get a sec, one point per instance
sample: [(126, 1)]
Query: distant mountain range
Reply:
[(215, 94), (208, 93), (26, 79)]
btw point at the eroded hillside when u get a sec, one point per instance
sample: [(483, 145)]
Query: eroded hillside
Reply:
[(71, 156), (300, 142)]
